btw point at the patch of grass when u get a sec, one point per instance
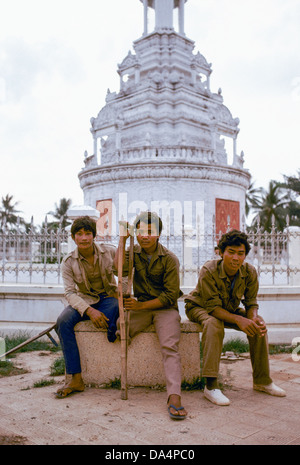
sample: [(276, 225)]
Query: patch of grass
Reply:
[(236, 345), (113, 384), (239, 346), (43, 383), (7, 368), (58, 367), (280, 349), (195, 385), (12, 440), (14, 340)]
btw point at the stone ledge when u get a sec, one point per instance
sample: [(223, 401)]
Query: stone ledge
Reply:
[(186, 327), (101, 360)]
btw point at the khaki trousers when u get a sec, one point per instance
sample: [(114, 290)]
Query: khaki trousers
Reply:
[(212, 344), (167, 327)]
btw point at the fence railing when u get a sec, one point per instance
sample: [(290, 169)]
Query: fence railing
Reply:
[(35, 256)]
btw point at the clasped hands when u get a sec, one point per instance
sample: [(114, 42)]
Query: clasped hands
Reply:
[(254, 326)]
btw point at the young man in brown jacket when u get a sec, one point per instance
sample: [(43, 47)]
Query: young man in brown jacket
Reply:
[(91, 291), (215, 304)]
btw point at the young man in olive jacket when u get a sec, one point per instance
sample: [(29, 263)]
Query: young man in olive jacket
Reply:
[(91, 291), (215, 303), (156, 286)]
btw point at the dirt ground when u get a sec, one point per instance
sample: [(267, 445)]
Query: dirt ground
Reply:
[(26, 362), (30, 415)]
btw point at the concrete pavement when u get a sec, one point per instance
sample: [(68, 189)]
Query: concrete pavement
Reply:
[(33, 416)]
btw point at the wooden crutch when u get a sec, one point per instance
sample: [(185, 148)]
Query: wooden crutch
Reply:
[(129, 284), (25, 343), (124, 316)]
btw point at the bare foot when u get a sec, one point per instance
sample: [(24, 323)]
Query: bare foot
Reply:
[(75, 385)]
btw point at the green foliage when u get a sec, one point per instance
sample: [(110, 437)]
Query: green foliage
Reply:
[(195, 385), (7, 368), (58, 367), (280, 349), (60, 214), (236, 345), (8, 212), (273, 205), (13, 341), (113, 384), (43, 383)]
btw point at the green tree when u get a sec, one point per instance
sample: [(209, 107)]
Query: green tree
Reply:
[(273, 202), (8, 212), (253, 196), (292, 184), (60, 213)]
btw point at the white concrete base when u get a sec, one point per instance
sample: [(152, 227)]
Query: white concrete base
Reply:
[(277, 334), (101, 360), (2, 349), (33, 308)]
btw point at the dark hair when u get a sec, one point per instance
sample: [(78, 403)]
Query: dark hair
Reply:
[(84, 222), (149, 218), (234, 237)]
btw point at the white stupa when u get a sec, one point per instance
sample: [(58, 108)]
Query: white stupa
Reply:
[(159, 142)]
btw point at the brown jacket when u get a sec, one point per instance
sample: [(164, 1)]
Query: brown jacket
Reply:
[(78, 291), (157, 279), (214, 289)]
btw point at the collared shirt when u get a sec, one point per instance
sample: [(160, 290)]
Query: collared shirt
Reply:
[(215, 289), (157, 277), (82, 285), (93, 274)]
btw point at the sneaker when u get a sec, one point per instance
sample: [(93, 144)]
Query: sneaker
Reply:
[(271, 389), (216, 396)]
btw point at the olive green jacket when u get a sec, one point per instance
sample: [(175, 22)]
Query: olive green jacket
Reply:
[(214, 289), (158, 278)]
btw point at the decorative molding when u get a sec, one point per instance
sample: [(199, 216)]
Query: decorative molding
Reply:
[(176, 171)]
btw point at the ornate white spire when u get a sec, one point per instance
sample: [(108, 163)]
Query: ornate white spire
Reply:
[(162, 137), (164, 14)]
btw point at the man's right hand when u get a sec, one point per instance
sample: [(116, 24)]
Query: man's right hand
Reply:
[(250, 327), (97, 318)]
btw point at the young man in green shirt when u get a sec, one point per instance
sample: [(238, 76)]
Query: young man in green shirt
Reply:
[(156, 290), (215, 304)]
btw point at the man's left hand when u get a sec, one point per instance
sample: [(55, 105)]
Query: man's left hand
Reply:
[(261, 324), (97, 318)]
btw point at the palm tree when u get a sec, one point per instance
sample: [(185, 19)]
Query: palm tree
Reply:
[(273, 203), (253, 196), (8, 212), (292, 184), (60, 213)]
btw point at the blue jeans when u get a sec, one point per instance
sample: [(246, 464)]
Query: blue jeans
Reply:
[(70, 317)]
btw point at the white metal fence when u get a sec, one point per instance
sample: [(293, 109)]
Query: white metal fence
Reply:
[(34, 256)]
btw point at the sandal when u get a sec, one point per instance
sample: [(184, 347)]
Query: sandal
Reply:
[(66, 392), (176, 417)]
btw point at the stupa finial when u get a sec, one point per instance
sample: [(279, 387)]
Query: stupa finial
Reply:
[(164, 14)]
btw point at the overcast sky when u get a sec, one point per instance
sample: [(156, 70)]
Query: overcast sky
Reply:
[(58, 57)]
